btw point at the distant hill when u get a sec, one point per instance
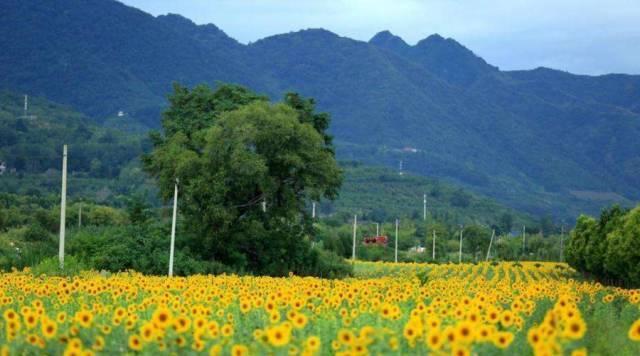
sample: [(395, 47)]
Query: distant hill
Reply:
[(33, 143), (103, 167), (531, 139), (382, 194)]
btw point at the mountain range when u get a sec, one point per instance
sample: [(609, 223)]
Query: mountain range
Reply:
[(542, 140)]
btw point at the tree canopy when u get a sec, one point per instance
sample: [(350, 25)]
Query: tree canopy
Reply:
[(246, 169)]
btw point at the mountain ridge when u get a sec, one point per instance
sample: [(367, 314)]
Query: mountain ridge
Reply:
[(528, 138)]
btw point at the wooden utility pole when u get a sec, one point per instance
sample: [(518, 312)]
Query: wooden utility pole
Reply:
[(396, 254), (173, 228), (490, 242), (433, 247), (355, 229), (424, 210), (63, 207)]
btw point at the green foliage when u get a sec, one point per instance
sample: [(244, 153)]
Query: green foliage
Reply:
[(18, 249), (379, 194), (143, 248), (608, 248), (539, 140), (51, 267), (34, 145), (622, 255), (233, 152)]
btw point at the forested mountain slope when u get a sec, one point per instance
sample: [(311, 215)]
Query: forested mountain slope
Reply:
[(540, 140)]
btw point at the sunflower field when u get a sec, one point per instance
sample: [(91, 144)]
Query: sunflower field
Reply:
[(408, 309)]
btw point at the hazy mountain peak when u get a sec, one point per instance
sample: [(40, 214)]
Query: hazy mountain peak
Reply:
[(433, 38), (203, 33), (316, 35), (176, 19), (387, 40)]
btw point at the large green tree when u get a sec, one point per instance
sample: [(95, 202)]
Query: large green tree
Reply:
[(246, 169)]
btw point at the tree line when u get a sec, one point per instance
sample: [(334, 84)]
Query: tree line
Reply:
[(608, 247)]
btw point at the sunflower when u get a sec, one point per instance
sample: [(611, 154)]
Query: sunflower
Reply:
[(410, 332), (435, 339), (215, 350), (84, 318), (106, 329), (579, 352), (135, 343), (502, 339), (49, 328), (485, 332), (245, 306), (575, 329), (274, 316), (98, 343), (10, 314), (345, 337), (394, 343), (464, 332), (278, 335), (313, 343), (634, 331), (30, 320), (180, 341), (493, 316), (227, 330), (239, 350), (162, 317), (460, 350), (181, 324), (450, 335), (300, 321), (506, 318), (213, 329), (534, 337), (147, 332)]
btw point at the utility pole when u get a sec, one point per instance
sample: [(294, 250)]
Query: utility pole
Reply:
[(460, 251), (396, 254), (433, 247), (63, 205), (377, 229), (80, 216), (561, 242), (490, 242), (313, 210), (424, 210), (355, 228), (173, 228)]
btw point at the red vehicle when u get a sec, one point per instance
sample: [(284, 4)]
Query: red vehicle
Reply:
[(375, 241)]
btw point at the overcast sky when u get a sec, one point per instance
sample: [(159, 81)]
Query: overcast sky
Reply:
[(579, 36)]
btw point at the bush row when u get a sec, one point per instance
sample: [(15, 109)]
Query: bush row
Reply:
[(608, 248)]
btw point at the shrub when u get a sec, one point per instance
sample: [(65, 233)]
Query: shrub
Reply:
[(51, 267)]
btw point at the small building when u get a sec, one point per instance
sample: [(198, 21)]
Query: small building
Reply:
[(375, 241), (3, 168)]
